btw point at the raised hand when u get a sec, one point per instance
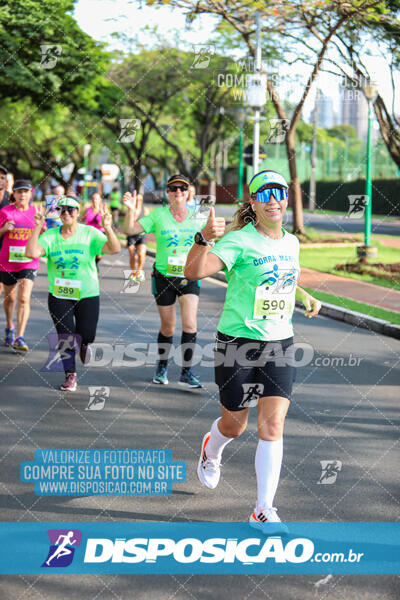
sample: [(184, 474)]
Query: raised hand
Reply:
[(215, 226), (129, 200), (106, 217), (39, 216), (9, 226)]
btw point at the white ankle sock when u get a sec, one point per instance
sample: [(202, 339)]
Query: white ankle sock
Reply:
[(217, 441), (268, 463)]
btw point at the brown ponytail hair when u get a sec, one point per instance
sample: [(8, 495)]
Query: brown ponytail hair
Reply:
[(244, 215)]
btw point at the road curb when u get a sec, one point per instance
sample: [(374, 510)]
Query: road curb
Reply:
[(339, 314)]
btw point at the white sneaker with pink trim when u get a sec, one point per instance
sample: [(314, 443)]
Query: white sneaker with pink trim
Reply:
[(208, 469)]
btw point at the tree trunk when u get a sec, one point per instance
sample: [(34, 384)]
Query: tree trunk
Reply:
[(390, 134), (294, 189)]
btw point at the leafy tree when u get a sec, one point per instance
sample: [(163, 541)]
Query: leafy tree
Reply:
[(312, 24), (178, 108), (46, 56)]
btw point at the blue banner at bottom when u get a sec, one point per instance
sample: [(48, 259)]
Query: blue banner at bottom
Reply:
[(199, 548)]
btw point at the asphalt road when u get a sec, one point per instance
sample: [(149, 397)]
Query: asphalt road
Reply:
[(338, 223), (343, 413)]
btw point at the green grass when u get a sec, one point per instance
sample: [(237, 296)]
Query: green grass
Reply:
[(366, 309), (325, 259)]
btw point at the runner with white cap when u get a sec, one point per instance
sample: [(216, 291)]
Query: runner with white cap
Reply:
[(261, 263), (74, 293)]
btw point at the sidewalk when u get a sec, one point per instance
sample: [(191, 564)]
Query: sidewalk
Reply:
[(360, 291), (368, 293)]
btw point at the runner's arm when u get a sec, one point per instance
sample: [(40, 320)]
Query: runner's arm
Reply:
[(200, 262), (32, 248), (8, 226), (312, 305), (112, 245), (131, 227)]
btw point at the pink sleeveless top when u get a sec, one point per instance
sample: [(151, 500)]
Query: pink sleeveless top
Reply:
[(93, 220)]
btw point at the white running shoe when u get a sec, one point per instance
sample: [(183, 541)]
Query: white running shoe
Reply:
[(140, 276), (268, 521), (208, 469)]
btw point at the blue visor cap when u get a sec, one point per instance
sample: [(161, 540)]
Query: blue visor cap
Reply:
[(278, 193)]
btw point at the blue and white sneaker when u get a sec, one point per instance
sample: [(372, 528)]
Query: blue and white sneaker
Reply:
[(189, 379), (20, 344), (9, 336), (161, 375)]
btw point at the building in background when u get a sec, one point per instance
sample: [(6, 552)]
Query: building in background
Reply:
[(354, 110), (326, 114)]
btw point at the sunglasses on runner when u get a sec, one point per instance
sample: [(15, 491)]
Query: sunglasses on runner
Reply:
[(278, 193), (68, 209), (175, 188)]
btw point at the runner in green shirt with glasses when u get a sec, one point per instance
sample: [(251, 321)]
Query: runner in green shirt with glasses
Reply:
[(173, 227), (254, 352)]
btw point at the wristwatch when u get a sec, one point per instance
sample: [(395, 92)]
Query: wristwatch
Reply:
[(201, 240)]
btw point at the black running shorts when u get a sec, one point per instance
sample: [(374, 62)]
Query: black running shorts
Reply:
[(11, 278), (135, 240), (244, 374), (167, 289)]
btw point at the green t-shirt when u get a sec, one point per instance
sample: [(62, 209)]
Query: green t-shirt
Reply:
[(115, 199), (262, 275), (173, 239), (71, 264)]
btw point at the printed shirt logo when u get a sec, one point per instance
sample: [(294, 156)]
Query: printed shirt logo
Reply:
[(62, 264), (20, 233), (173, 240), (62, 547), (287, 278)]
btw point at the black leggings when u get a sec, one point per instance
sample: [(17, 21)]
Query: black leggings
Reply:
[(76, 317)]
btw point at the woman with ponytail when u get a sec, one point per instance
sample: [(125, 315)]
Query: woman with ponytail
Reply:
[(261, 263)]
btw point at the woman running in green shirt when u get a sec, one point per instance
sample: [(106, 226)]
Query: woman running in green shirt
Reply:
[(74, 300), (255, 333), (174, 227)]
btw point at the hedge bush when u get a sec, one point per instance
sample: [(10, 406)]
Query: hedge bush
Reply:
[(333, 195)]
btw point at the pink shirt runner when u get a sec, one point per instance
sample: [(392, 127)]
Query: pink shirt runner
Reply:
[(14, 242), (93, 219)]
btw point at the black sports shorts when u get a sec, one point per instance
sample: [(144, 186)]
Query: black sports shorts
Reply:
[(135, 240), (167, 289), (11, 278), (245, 374)]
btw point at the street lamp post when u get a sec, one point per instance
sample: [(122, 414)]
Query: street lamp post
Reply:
[(367, 251), (165, 130), (86, 150), (240, 117), (257, 94)]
